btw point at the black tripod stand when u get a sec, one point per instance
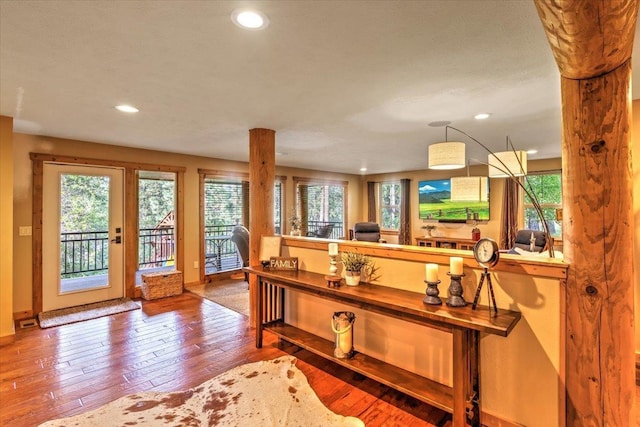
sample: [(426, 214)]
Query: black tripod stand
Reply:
[(492, 296)]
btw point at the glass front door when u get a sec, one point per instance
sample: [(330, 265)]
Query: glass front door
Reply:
[(82, 248)]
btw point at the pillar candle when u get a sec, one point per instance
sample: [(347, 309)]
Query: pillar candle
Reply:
[(333, 249), (455, 266), (432, 272)]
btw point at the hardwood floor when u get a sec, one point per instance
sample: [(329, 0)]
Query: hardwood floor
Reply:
[(170, 344)]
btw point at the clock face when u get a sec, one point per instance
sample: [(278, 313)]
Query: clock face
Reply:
[(486, 252)]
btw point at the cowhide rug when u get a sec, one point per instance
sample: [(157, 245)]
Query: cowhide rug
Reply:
[(268, 393)]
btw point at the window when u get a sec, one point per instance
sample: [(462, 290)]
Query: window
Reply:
[(156, 221), (390, 205), (547, 188), (226, 204), (321, 203), (277, 207)]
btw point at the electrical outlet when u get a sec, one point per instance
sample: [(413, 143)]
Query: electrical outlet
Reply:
[(24, 230), (196, 264)]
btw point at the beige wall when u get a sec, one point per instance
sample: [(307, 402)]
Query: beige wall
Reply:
[(487, 228), (522, 374), (6, 226), (24, 144)]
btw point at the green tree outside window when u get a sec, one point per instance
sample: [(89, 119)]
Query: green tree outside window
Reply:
[(390, 198), (547, 188)]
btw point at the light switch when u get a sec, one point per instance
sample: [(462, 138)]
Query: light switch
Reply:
[(24, 230)]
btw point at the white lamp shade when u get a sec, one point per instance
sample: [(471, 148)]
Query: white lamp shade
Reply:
[(447, 155), (469, 189), (507, 163)]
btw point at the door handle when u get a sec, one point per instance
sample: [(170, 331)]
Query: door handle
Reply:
[(117, 240)]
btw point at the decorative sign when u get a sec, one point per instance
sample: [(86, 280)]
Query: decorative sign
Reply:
[(283, 263)]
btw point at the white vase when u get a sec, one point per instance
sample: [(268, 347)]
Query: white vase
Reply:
[(352, 278)]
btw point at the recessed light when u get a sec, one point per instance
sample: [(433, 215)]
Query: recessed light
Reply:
[(249, 19), (127, 108), (281, 153), (481, 116), (363, 169), (532, 151)]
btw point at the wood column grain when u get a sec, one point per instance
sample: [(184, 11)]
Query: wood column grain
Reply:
[(262, 155), (598, 199), (592, 43)]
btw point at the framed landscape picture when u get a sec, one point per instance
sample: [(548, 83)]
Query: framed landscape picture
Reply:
[(434, 201)]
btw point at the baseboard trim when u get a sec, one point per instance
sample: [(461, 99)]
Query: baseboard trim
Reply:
[(488, 419), (21, 315)]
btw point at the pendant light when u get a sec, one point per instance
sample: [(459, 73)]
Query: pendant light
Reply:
[(505, 164), (447, 155), (469, 188)]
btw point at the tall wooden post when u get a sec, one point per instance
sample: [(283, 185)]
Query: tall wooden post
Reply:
[(262, 173), (592, 43)]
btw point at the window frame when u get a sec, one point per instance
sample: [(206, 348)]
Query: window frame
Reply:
[(556, 206), (298, 211), (381, 206)]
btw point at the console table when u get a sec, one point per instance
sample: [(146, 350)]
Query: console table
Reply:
[(446, 242), (465, 325)]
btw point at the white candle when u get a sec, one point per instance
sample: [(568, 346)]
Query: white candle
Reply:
[(432, 272), (455, 266), (333, 249)]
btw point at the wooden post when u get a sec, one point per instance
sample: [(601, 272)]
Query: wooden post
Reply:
[(592, 43), (262, 159)]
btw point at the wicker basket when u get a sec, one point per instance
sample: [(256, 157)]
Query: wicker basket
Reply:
[(160, 285)]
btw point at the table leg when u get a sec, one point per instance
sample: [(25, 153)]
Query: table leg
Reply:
[(258, 293), (466, 386)]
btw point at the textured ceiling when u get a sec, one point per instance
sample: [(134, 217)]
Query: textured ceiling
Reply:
[(345, 84)]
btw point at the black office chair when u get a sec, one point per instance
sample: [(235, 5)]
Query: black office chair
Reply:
[(366, 232), (322, 232), (240, 236), (524, 241)]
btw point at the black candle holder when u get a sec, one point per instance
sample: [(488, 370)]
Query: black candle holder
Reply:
[(432, 293), (455, 298)]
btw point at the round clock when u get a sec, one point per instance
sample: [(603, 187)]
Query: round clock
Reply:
[(486, 252)]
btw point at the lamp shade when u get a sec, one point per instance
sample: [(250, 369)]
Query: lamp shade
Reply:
[(469, 189), (447, 155), (507, 163)]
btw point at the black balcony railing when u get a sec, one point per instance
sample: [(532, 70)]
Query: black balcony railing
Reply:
[(156, 247), (336, 233), (220, 251), (87, 253), (84, 253)]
